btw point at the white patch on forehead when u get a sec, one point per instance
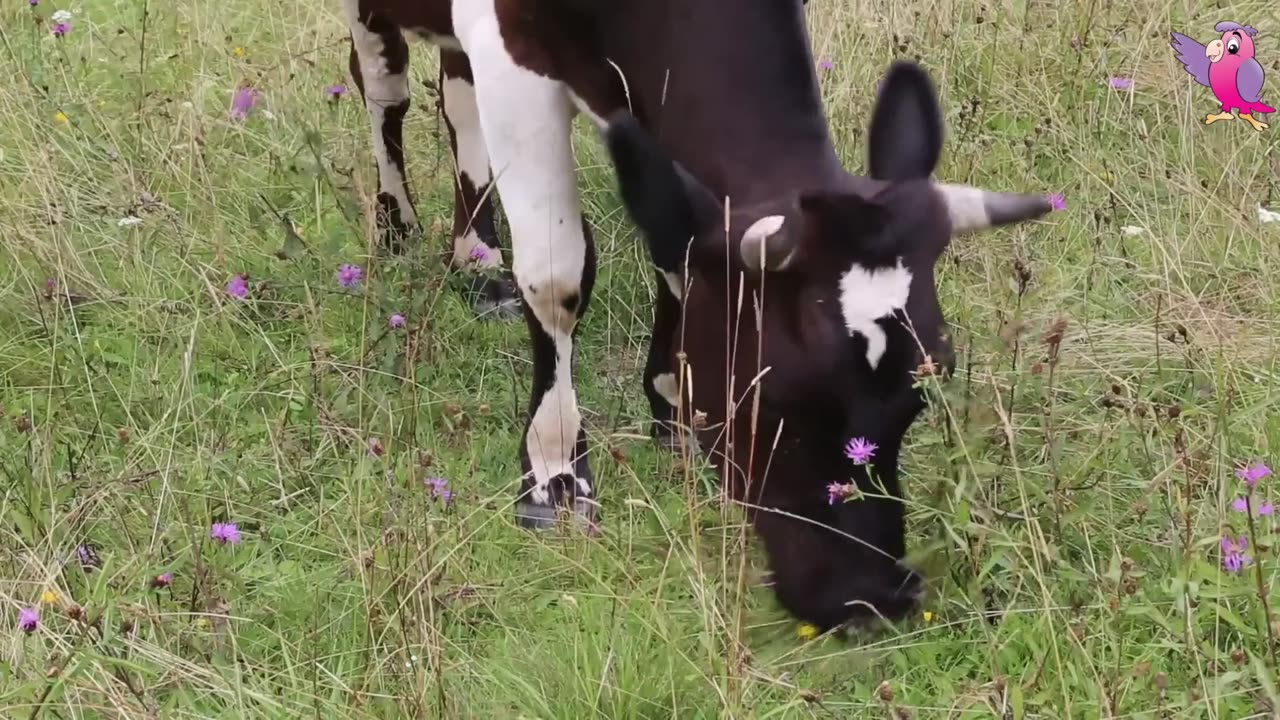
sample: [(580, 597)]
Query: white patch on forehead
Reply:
[(868, 295)]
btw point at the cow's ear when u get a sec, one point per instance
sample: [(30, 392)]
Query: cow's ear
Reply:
[(668, 204), (904, 141)]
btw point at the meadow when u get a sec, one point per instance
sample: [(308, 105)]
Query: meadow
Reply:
[(1075, 492)]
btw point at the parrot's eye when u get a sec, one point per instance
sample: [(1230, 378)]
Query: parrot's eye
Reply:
[(1233, 46)]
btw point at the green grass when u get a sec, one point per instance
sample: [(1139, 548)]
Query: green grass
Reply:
[(1089, 493)]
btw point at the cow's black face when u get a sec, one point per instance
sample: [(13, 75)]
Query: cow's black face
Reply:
[(848, 313)]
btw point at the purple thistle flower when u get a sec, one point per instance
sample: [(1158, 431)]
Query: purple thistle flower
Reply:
[(479, 253), (225, 533), (1251, 474), (826, 64), (161, 581), (835, 491), (349, 275), (1057, 202), (1119, 82), (33, 3), (1233, 557), (60, 29), (859, 451), (29, 619), (1240, 504), (237, 287), (439, 489), (336, 91), (87, 556), (243, 102), (396, 320), (1266, 508)]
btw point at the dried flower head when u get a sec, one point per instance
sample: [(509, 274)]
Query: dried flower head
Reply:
[(375, 448)]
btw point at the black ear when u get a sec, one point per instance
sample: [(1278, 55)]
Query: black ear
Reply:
[(668, 205), (905, 138)]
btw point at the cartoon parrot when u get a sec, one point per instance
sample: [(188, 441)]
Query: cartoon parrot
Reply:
[(1227, 67)]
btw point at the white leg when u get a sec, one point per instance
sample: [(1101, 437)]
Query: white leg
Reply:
[(525, 119), (380, 66)]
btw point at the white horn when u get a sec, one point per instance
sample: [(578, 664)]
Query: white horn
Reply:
[(760, 254), (973, 208)]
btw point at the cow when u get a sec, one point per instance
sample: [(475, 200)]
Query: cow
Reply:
[(796, 302)]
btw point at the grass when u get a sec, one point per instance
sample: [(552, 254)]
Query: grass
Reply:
[(1086, 481)]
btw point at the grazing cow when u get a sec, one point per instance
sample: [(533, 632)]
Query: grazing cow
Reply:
[(796, 298)]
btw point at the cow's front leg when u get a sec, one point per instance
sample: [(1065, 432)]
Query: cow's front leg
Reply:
[(661, 381), (477, 253), (526, 121), (379, 63)]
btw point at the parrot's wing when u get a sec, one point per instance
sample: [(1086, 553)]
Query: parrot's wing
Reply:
[(1249, 80), (1191, 54)]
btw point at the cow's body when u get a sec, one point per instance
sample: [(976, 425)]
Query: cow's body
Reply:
[(729, 91)]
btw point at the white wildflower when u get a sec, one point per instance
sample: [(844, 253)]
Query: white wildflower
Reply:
[(129, 221), (1132, 230), (61, 16), (1267, 216)]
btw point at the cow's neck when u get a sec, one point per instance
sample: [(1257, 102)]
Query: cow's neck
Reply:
[(730, 90)]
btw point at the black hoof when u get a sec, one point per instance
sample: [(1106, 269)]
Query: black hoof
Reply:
[(893, 599), (395, 232), (563, 496), (532, 516), (492, 297)]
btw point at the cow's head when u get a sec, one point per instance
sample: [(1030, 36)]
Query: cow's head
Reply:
[(848, 311)]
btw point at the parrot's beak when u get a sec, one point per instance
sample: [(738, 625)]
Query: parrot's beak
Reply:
[(1213, 51)]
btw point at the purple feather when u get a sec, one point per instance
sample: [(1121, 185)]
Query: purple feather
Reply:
[(1191, 54), (1249, 81), (1228, 25)]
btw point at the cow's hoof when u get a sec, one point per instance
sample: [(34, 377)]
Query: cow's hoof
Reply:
[(585, 515), (394, 231), (535, 517), (892, 598), (492, 297)]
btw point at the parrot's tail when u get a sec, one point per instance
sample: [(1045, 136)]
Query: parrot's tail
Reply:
[(1259, 107)]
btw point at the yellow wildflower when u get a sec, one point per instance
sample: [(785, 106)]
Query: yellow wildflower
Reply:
[(61, 118), (49, 597), (807, 631), (927, 615), (238, 51)]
